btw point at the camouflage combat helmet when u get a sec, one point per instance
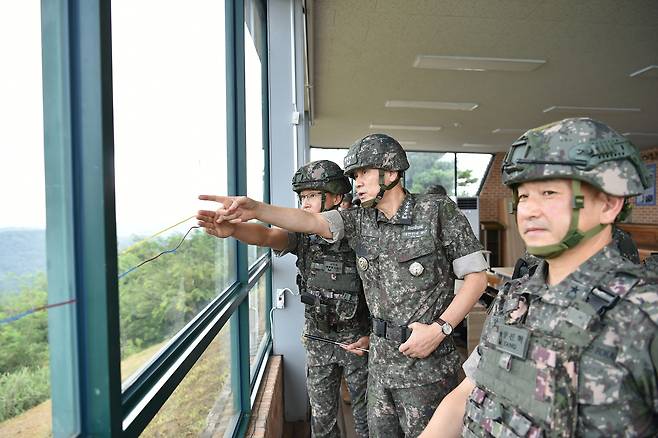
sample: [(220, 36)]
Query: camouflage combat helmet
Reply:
[(582, 150), (323, 175), (377, 151)]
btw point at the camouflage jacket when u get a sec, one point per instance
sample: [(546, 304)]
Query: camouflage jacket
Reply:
[(651, 263), (325, 269), (570, 359), (406, 264)]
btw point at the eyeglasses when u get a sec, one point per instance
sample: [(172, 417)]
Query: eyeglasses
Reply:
[(310, 197)]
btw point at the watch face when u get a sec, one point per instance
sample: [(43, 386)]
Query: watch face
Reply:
[(446, 328)]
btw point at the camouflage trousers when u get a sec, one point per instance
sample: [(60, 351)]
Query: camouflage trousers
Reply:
[(404, 412), (323, 383)]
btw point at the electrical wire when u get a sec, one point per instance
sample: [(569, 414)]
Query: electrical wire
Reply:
[(155, 257)]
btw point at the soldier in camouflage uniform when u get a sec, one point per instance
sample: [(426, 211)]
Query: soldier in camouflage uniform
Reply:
[(651, 263), (347, 202), (571, 349), (407, 246), (330, 288)]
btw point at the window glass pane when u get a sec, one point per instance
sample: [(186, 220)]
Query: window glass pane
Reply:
[(430, 168), (335, 155), (170, 146), (471, 169), (254, 127), (257, 320), (24, 359), (203, 403)]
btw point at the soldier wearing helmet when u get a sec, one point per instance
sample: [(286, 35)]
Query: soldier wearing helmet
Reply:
[(331, 290), (572, 348), (347, 202), (407, 246)]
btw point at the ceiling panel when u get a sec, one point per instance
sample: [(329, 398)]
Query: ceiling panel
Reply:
[(364, 53)]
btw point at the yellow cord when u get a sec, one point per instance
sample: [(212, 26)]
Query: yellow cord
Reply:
[(136, 244)]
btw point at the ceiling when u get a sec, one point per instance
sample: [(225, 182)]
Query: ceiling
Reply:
[(362, 54)]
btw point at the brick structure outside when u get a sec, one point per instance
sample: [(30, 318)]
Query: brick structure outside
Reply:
[(646, 214), (493, 190)]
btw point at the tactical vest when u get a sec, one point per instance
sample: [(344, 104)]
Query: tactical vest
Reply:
[(528, 378), (329, 284)]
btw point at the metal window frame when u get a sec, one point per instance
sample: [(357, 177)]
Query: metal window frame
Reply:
[(81, 235), (78, 147)]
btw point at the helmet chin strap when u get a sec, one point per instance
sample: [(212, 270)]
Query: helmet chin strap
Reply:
[(573, 236), (382, 188)]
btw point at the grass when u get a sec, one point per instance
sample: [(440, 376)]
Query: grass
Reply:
[(186, 412), (23, 389)]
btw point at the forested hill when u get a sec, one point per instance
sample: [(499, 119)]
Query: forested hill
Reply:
[(22, 251)]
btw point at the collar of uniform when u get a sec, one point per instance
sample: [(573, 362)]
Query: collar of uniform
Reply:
[(404, 213), (593, 272)]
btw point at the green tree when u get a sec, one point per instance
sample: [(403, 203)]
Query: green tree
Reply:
[(426, 168), (25, 341), (159, 298)]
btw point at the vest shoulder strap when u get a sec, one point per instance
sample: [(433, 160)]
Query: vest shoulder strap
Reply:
[(606, 295)]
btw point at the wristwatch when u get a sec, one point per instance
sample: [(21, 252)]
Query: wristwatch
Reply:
[(446, 328)]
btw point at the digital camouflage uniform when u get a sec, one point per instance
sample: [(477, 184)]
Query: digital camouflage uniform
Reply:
[(651, 263), (405, 264), (335, 308), (555, 359), (626, 246), (577, 358)]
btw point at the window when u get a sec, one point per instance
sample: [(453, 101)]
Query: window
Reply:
[(133, 147), (24, 360), (170, 146), (471, 171), (258, 315), (335, 155), (429, 168), (461, 174), (203, 403)]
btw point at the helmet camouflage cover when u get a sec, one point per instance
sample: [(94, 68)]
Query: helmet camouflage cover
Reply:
[(577, 148), (321, 175), (377, 151)]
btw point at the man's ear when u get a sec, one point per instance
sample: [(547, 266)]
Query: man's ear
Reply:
[(610, 207), (390, 176), (337, 199)]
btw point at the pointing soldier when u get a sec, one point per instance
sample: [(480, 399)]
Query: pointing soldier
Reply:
[(332, 292), (407, 248), (571, 349)]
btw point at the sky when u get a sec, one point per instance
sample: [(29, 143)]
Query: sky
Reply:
[(169, 112), (21, 127)]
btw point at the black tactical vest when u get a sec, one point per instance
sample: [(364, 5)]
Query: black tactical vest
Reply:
[(329, 284)]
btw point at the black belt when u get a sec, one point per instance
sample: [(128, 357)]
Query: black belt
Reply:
[(390, 331)]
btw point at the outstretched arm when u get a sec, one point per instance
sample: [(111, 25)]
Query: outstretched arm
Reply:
[(447, 420), (253, 234), (237, 209)]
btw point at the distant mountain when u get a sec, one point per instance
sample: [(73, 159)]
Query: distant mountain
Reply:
[(22, 252)]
